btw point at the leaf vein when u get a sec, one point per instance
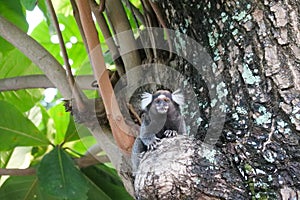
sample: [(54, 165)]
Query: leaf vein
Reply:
[(22, 133)]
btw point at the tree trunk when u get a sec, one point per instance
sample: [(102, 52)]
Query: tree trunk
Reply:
[(255, 50)]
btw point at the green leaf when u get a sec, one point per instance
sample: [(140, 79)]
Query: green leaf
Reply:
[(17, 130), (72, 38), (95, 193), (63, 7), (42, 35), (17, 187), (40, 117), (43, 7), (29, 4), (71, 133), (59, 177), (12, 10), (23, 187), (22, 99), (61, 120), (108, 181), (12, 67), (81, 146), (76, 131), (4, 158)]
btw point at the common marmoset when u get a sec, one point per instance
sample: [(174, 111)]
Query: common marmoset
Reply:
[(161, 118)]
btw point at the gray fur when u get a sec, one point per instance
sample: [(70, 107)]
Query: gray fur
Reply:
[(161, 119)]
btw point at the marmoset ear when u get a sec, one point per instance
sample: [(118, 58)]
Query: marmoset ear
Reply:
[(146, 100), (178, 97)]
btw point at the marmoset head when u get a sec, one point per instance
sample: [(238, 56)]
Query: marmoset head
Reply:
[(161, 100)]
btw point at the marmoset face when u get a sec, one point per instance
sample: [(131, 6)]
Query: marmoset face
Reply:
[(162, 103)]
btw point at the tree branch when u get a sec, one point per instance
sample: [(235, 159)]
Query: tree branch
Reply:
[(107, 36), (41, 81), (17, 172), (102, 6), (61, 43), (119, 128), (77, 93), (161, 20), (38, 54), (128, 47), (77, 19)]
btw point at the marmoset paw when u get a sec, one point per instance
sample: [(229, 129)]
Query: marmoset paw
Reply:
[(154, 144), (170, 133)]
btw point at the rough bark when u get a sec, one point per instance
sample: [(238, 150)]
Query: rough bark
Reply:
[(187, 170), (255, 46)]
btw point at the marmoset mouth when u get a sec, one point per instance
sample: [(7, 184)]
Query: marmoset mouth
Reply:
[(162, 110)]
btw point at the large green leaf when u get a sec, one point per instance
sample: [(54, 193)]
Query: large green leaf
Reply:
[(22, 99), (12, 67), (61, 120), (59, 177), (71, 133), (95, 193), (63, 7), (17, 130), (76, 131), (43, 7), (108, 181), (28, 188), (12, 10), (23, 187), (17, 64), (29, 4), (42, 35), (17, 187)]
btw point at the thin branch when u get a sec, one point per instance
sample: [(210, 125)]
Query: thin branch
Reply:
[(118, 126), (128, 47), (17, 172), (131, 109), (150, 21), (102, 6), (150, 18), (161, 20), (77, 19), (61, 43), (87, 161), (41, 81), (77, 94), (38, 54), (107, 36), (82, 162)]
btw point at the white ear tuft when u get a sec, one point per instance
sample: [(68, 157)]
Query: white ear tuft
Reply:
[(146, 100), (178, 97)]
